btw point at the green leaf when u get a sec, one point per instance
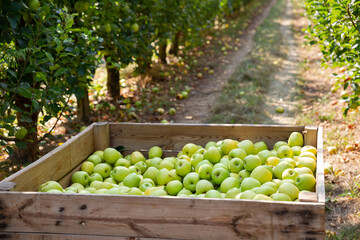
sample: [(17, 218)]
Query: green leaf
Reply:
[(12, 73), (60, 71), (24, 92), (21, 145), (49, 56), (40, 76)]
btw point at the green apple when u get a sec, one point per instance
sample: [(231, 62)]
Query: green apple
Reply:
[(148, 180), (81, 177), (271, 184), (284, 152), (159, 192), (236, 165), (279, 144), (262, 197), (111, 155), (57, 191), (189, 149), (220, 165), (262, 174), (164, 177), (229, 183), (166, 164), (151, 173), (280, 197), (251, 162), (122, 162), (244, 174), (184, 191), (155, 162), (228, 145), (264, 155), (307, 154), (119, 173), (34, 5), (265, 190), (190, 181), (103, 169), (113, 191), (212, 194), (200, 150), (290, 174), (132, 180), (101, 191), (287, 181), (218, 175), (201, 163), (203, 186), (260, 146), (174, 175), (307, 162), (96, 184), (110, 180), (90, 189), (232, 193), (205, 171), (301, 170), (249, 183), (272, 161), (247, 145), (212, 154), (87, 166), (174, 159), (106, 185), (71, 190), (185, 157), (142, 166), (210, 144), (281, 167), (289, 160), (305, 182), (45, 187), (136, 156), (225, 160), (277, 182), (289, 189), (155, 151), (135, 191), (174, 187), (149, 191), (183, 167), (95, 159), (78, 186), (100, 154), (309, 148), (248, 194), (145, 186), (296, 139), (296, 150), (237, 153)]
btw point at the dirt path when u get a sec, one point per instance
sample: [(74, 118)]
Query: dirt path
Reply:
[(196, 108)]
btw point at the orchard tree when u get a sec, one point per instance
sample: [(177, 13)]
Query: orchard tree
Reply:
[(41, 68)]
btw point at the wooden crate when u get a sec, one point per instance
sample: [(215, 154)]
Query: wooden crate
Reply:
[(27, 214)]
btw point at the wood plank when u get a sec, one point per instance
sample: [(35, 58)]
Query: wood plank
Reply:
[(159, 217), (320, 181), (101, 136), (310, 135), (55, 164), (136, 136)]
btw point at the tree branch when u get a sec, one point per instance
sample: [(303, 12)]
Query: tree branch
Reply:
[(350, 15)]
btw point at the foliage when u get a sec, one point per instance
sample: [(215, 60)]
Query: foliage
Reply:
[(335, 27)]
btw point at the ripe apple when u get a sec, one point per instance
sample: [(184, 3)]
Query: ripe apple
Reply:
[(290, 174), (45, 187), (110, 180), (111, 155), (95, 177), (96, 184), (305, 182), (106, 185), (174, 175), (289, 189), (279, 144), (201, 163), (271, 184), (132, 180), (113, 191), (289, 160), (189, 149), (247, 145), (244, 174), (119, 173), (155, 151), (296, 150), (174, 159), (135, 191), (135, 169), (174, 187), (184, 191), (205, 171), (183, 167), (95, 159), (212, 154), (296, 139), (262, 174), (203, 186), (232, 193), (159, 192), (236, 165), (190, 181), (101, 191), (172, 111), (248, 194), (307, 162), (251, 162), (212, 194), (260, 146), (151, 173), (122, 162), (220, 165), (249, 183), (280, 197), (309, 148), (210, 144), (229, 183), (307, 154), (90, 189), (136, 156), (166, 164), (284, 152), (145, 186), (218, 175), (34, 5), (281, 167), (81, 177), (228, 145), (262, 197), (265, 190), (155, 162), (301, 170), (264, 155), (164, 177), (272, 161), (87, 166), (237, 153), (151, 190)]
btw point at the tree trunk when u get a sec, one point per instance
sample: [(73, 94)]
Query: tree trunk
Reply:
[(175, 44), (162, 52), (31, 152), (113, 80), (83, 108)]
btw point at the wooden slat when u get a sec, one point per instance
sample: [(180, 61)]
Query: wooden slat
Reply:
[(308, 197), (310, 135), (101, 136), (159, 217), (55, 164), (320, 181), (174, 136)]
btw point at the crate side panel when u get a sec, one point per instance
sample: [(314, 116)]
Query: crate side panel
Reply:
[(159, 217), (320, 181), (49, 236)]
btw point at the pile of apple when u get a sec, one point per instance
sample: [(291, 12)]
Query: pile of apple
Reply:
[(223, 169)]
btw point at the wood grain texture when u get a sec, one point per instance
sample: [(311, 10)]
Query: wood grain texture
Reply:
[(159, 217), (101, 136), (320, 181), (310, 135), (55, 164)]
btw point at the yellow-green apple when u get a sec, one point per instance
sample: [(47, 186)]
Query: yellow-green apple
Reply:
[(101, 191), (149, 180), (218, 175), (122, 162), (201, 163), (289, 160), (174, 175), (247, 145), (155, 151), (237, 153), (280, 197), (110, 180), (266, 190), (262, 197), (203, 186), (87, 166), (210, 144), (271, 184), (189, 149), (305, 182), (135, 191), (142, 166), (307, 154), (71, 190), (90, 189), (290, 174), (145, 186), (296, 150), (106, 185), (309, 148), (301, 170), (236, 165), (113, 191), (195, 159), (281, 167), (111, 155), (155, 162), (164, 177), (307, 162), (186, 157), (249, 183), (151, 173), (264, 155), (262, 174), (81, 177), (103, 169), (151, 190), (225, 160), (183, 167), (279, 144), (166, 164), (45, 187), (296, 139), (272, 161), (200, 150), (100, 154), (244, 174), (212, 154), (95, 159), (159, 192), (251, 162), (205, 171), (119, 173), (136, 156), (132, 180), (248, 194), (174, 187), (289, 189), (96, 184), (190, 181), (229, 183), (174, 159), (228, 145), (212, 194), (184, 191), (284, 152), (57, 191), (260, 146), (220, 165), (232, 193), (134, 169)]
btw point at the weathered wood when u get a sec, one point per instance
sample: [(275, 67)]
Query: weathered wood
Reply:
[(7, 186), (159, 217), (310, 135), (55, 164), (308, 197), (320, 181), (101, 136), (49, 236)]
